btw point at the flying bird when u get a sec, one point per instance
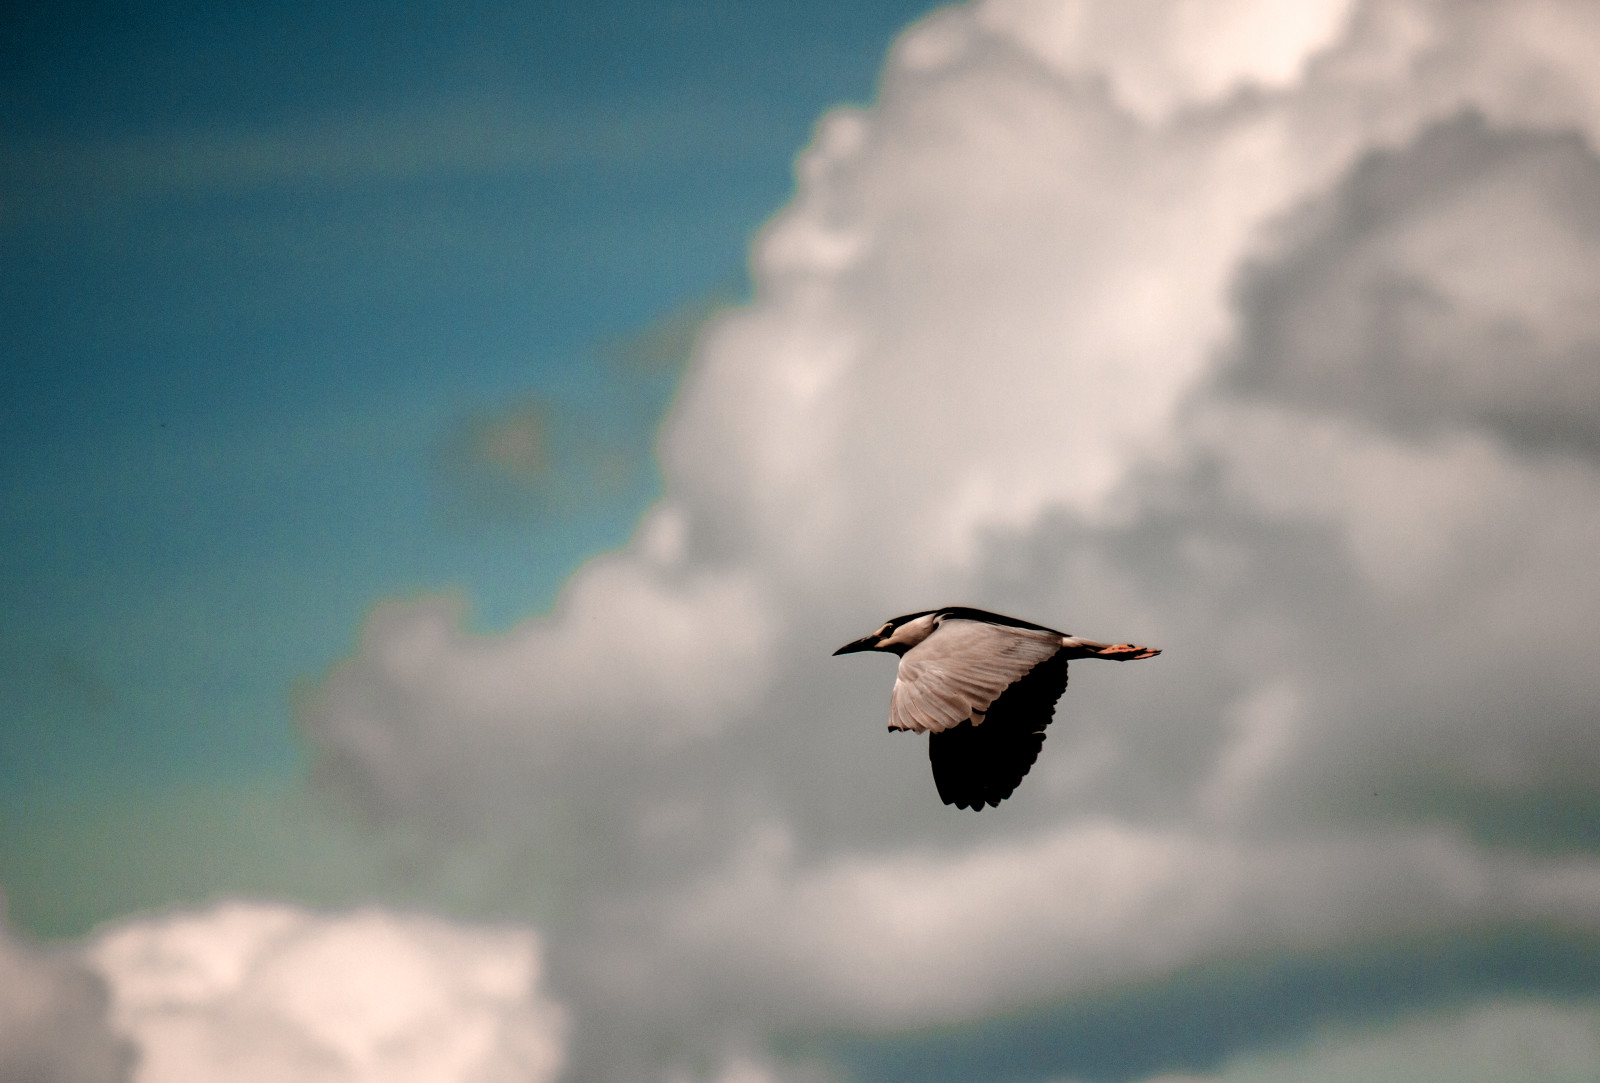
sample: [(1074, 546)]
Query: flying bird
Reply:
[(983, 687)]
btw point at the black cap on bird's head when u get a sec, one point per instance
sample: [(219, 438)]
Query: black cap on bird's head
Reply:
[(876, 641)]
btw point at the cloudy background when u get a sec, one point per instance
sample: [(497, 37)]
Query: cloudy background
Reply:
[(1265, 333)]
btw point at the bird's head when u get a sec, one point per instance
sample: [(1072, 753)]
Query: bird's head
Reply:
[(896, 636)]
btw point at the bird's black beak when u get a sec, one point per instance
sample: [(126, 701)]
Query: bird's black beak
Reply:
[(865, 643)]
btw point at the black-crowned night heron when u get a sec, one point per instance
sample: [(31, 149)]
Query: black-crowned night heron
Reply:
[(983, 687)]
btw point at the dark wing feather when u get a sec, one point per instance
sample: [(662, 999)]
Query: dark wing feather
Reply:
[(978, 765)]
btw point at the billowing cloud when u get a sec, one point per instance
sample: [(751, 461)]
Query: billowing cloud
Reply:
[(1265, 338), (250, 991)]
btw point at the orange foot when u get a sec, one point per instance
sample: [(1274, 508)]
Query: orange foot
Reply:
[(1127, 652)]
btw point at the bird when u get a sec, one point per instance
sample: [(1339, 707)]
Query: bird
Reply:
[(983, 687)]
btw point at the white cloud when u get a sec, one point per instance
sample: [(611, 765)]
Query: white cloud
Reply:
[(251, 991), (1160, 56), (1271, 344)]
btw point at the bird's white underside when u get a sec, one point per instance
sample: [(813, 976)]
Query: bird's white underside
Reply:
[(956, 673)]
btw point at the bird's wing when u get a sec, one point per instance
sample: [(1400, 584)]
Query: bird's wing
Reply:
[(978, 765), (956, 673)]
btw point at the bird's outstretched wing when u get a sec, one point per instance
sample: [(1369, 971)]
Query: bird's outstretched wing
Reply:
[(978, 765), (964, 666)]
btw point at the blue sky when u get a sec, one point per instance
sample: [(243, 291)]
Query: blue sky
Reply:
[(276, 278)]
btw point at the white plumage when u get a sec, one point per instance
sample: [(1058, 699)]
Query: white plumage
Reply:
[(952, 676)]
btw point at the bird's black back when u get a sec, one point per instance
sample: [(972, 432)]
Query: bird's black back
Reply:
[(967, 612), (974, 766)]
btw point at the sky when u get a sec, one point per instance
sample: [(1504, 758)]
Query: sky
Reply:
[(303, 309), (416, 701)]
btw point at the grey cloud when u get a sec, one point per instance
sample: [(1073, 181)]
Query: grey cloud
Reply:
[(54, 1020), (1415, 367), (1296, 1006), (1451, 282), (871, 941)]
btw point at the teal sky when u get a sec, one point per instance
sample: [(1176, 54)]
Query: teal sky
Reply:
[(302, 308)]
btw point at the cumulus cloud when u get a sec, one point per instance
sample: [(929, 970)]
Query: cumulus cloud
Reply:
[(54, 1025), (1267, 337), (251, 991)]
